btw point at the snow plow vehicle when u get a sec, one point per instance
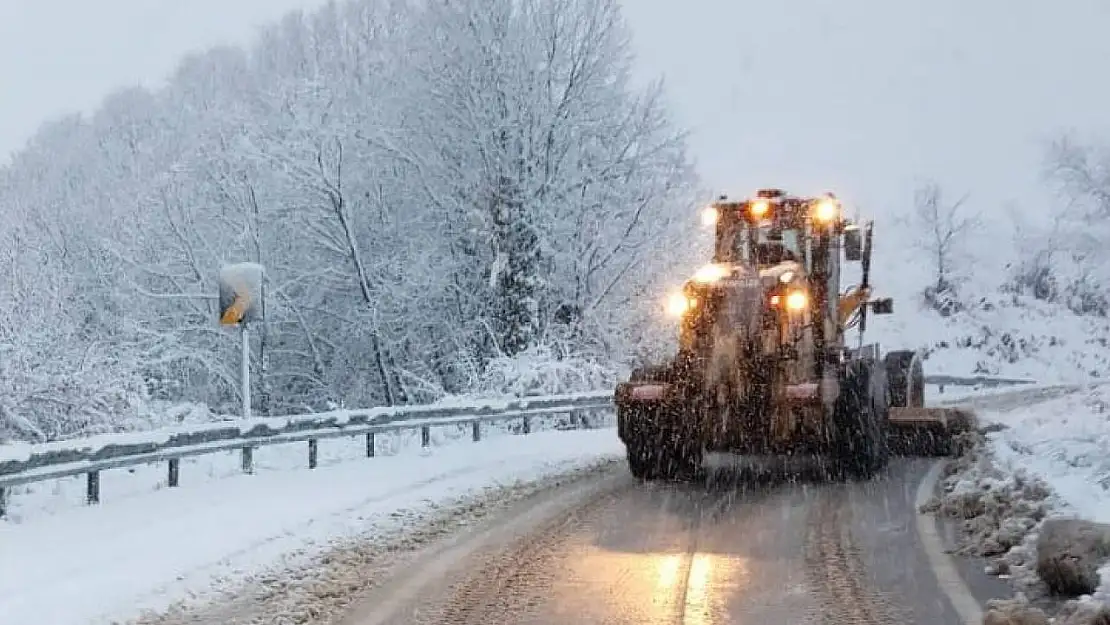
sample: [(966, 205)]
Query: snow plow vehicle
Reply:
[(763, 367)]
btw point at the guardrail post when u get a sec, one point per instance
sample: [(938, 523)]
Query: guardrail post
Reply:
[(92, 487), (313, 450), (578, 420), (941, 391), (527, 428), (248, 460), (425, 436), (3, 502), (476, 431), (370, 445), (174, 472)]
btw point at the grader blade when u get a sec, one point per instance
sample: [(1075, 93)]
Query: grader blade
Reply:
[(919, 431)]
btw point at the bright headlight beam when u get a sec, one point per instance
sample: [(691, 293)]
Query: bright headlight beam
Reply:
[(677, 305), (710, 273), (826, 210), (796, 301), (709, 216)]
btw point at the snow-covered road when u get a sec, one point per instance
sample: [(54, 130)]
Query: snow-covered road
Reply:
[(70, 564)]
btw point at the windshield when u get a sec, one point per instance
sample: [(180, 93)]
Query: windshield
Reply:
[(767, 251)]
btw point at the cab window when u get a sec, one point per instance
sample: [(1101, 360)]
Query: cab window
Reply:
[(788, 248)]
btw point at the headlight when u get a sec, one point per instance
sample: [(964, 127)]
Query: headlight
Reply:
[(678, 304), (826, 211), (709, 216), (797, 301), (786, 277), (759, 208), (710, 273)]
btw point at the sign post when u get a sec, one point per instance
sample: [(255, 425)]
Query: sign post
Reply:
[(240, 304), (245, 372)]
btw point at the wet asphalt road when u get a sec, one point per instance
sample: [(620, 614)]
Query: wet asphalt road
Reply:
[(733, 551)]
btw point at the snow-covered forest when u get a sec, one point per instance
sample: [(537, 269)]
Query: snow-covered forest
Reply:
[(432, 192), (443, 195)]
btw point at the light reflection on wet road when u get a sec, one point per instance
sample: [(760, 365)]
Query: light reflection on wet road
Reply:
[(730, 552)]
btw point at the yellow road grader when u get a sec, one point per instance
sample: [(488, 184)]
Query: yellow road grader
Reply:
[(763, 366)]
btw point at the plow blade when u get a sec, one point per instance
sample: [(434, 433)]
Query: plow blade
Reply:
[(915, 431)]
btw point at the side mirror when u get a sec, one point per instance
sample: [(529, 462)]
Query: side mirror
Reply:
[(853, 244), (884, 306)]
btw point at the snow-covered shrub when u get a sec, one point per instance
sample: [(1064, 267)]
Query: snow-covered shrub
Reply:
[(1017, 335), (542, 370)]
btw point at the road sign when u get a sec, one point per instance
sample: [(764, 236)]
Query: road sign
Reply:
[(240, 304), (240, 293)]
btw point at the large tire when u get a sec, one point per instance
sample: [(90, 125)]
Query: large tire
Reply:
[(661, 453), (640, 463), (861, 445), (905, 379), (659, 447), (680, 457)]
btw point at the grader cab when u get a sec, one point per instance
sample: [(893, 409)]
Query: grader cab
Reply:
[(763, 366)]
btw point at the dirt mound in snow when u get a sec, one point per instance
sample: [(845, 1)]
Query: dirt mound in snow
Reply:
[(1069, 553), (1014, 612), (1084, 613), (1018, 611)]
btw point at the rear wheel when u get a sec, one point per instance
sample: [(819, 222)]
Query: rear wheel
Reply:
[(905, 379), (860, 419)]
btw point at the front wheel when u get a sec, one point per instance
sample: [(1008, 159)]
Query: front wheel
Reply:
[(659, 454), (862, 446), (640, 463)]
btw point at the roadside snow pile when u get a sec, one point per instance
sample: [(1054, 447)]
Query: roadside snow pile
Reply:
[(1000, 512), (1033, 497)]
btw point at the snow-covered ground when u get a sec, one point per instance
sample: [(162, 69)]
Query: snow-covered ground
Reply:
[(146, 546), (1066, 441)]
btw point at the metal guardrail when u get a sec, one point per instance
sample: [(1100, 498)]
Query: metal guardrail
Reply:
[(976, 380), (26, 464)]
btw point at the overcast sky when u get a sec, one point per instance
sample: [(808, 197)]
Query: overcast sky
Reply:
[(858, 96)]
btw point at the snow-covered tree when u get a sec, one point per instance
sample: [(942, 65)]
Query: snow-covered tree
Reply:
[(1081, 174), (438, 191), (942, 228)]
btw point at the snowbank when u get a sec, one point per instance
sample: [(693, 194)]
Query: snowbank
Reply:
[(1067, 443), (147, 547), (15, 458), (1041, 461)]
